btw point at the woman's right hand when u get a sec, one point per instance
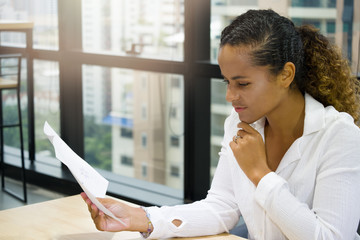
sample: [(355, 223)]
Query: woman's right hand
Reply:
[(134, 218), (104, 222)]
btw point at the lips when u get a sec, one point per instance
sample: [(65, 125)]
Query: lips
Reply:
[(239, 109)]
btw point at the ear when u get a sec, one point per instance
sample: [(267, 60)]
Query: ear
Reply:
[(286, 76)]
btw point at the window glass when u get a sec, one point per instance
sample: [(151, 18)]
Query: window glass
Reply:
[(43, 13), (46, 106), (338, 20), (125, 160), (220, 109), (314, 3), (142, 28), (118, 137), (9, 70), (174, 140), (144, 140), (175, 171), (126, 132)]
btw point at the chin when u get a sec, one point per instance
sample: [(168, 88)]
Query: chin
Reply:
[(248, 120)]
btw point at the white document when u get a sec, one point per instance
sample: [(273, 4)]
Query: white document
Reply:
[(93, 184)]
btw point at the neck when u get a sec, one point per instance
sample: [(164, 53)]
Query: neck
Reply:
[(288, 120)]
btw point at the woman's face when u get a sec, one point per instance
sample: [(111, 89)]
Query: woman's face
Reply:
[(252, 90)]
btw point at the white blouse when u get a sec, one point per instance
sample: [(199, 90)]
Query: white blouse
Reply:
[(313, 194)]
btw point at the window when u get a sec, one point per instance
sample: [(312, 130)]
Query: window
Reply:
[(121, 124), (126, 160), (126, 132), (312, 3), (47, 107), (174, 141), (174, 171), (144, 169), (44, 15), (46, 99), (220, 109), (173, 112), (148, 29), (9, 70), (144, 140)]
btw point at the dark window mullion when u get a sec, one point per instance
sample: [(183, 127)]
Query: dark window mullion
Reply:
[(197, 101), (71, 116)]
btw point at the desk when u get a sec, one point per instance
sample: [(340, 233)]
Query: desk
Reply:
[(27, 28), (64, 219)]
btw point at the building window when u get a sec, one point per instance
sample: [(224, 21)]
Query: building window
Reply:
[(126, 160), (144, 170), (126, 132), (144, 140), (175, 171), (144, 111), (174, 141), (173, 112)]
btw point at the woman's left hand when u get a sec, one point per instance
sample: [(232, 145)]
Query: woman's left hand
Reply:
[(249, 151)]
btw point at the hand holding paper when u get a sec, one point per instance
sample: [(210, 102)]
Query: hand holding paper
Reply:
[(93, 184)]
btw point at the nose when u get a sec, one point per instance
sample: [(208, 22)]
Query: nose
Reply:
[(231, 94)]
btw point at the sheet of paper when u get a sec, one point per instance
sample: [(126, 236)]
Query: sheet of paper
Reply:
[(93, 184)]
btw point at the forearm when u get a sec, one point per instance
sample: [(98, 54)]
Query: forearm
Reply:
[(196, 219), (294, 218), (327, 218)]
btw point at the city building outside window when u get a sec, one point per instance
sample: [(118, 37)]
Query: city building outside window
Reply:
[(149, 29)]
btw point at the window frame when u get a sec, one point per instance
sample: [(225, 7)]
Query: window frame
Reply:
[(196, 70)]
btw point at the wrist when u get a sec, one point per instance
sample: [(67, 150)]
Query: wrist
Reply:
[(139, 220), (150, 227), (258, 175)]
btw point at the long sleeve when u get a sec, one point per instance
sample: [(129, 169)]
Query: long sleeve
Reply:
[(216, 214), (334, 209)]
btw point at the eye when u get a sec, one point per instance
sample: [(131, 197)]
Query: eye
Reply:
[(239, 84)]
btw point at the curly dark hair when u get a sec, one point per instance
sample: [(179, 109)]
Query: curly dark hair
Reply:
[(321, 71)]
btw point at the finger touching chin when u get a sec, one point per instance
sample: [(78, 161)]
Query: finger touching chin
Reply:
[(232, 145)]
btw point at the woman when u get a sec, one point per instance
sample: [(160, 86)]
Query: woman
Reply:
[(290, 157)]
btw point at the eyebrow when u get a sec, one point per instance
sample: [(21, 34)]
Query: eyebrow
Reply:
[(235, 77)]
